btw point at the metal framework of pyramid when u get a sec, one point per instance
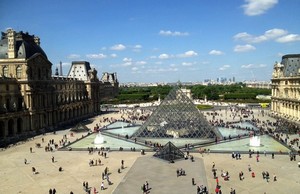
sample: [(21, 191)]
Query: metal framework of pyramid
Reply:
[(177, 117), (169, 152)]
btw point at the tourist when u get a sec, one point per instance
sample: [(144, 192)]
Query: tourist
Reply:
[(52, 159), (147, 185), (50, 191), (122, 164), (232, 191), (33, 170), (30, 149), (54, 191), (25, 161), (102, 186)]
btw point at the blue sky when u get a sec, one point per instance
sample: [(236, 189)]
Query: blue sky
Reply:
[(162, 40)]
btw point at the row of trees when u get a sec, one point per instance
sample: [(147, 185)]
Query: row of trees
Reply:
[(211, 92)]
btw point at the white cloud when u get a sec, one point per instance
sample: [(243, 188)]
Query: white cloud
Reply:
[(188, 54), (118, 47), (134, 68), (186, 64), (252, 66), (158, 70), (170, 33), (126, 64), (164, 56), (268, 35), (141, 63), (73, 56), (224, 67), (247, 66), (216, 52), (127, 59), (289, 38), (244, 48), (113, 55), (137, 46), (258, 7), (96, 56), (63, 64), (153, 57)]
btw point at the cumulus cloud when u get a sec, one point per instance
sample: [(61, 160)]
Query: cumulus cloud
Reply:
[(153, 57), (137, 46), (141, 63), (127, 59), (118, 47), (252, 66), (96, 56), (186, 64), (258, 7), (216, 52), (244, 48), (188, 54), (268, 35), (163, 56), (224, 67), (73, 56), (134, 68), (289, 38), (113, 55), (170, 33), (63, 64), (159, 70)]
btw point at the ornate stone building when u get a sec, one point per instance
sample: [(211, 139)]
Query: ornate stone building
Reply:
[(33, 101), (286, 89)]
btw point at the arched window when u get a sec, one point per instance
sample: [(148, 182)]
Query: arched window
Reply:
[(19, 72), (5, 71)]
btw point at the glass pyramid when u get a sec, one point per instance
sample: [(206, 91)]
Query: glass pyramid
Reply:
[(177, 117), (169, 152)]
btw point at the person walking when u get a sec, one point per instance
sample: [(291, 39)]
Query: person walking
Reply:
[(102, 186)]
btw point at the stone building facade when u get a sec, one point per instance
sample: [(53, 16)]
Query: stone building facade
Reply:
[(286, 89), (33, 101)]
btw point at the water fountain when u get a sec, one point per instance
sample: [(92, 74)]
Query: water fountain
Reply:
[(255, 141), (99, 139)]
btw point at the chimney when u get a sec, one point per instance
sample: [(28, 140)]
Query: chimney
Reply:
[(11, 43), (37, 40), (60, 68)]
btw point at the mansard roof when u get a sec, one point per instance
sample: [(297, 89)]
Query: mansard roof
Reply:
[(25, 46)]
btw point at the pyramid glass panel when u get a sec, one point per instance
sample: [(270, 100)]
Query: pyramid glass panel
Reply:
[(177, 117), (169, 152)]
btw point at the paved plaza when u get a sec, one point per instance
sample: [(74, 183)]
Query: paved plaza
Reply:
[(17, 177)]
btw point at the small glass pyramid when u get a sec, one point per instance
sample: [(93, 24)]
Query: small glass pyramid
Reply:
[(169, 152)]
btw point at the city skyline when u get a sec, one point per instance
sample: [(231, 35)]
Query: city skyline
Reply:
[(162, 41)]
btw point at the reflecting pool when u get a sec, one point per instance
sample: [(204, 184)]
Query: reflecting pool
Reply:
[(123, 129)]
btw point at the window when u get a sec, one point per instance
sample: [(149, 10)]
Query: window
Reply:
[(19, 72), (5, 71)]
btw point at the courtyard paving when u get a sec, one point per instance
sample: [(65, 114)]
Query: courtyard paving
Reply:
[(17, 177)]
